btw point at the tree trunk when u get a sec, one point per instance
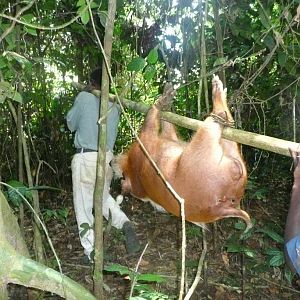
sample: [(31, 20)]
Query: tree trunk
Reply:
[(20, 133), (17, 268), (101, 160), (203, 73)]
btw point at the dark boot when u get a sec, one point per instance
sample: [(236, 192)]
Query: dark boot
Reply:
[(131, 240)]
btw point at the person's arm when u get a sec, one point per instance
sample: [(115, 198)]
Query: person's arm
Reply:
[(292, 227), (73, 115)]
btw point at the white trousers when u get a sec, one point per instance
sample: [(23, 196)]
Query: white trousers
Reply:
[(84, 178)]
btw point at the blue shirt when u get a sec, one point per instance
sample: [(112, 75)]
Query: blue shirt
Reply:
[(293, 250), (83, 119)]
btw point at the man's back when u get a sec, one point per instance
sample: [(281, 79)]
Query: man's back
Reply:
[(83, 118)]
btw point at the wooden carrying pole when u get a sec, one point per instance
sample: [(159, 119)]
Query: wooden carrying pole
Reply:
[(260, 141)]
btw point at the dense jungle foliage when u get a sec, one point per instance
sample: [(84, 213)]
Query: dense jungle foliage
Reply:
[(254, 46)]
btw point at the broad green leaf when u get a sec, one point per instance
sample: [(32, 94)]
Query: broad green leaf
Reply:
[(118, 268), (103, 17), (264, 19), (272, 234), (246, 235), (240, 225), (17, 97), (282, 58), (137, 64), (250, 253), (277, 260), (15, 189), (289, 275), (31, 31), (152, 56), (27, 18), (290, 66), (220, 61), (143, 287), (149, 72), (234, 248), (80, 3), (10, 38), (269, 41), (85, 17), (2, 98), (94, 5), (7, 91), (3, 62), (273, 251), (150, 278), (5, 86), (19, 58)]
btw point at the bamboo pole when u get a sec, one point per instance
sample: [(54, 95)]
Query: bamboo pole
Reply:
[(251, 139)]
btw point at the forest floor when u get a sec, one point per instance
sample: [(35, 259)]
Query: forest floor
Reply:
[(239, 274)]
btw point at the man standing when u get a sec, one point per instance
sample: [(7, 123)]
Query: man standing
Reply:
[(83, 119)]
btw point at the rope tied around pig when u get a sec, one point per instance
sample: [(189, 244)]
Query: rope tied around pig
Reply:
[(222, 121)]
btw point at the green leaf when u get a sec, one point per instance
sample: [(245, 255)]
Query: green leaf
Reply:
[(234, 248), (137, 64), (273, 251), (220, 61), (277, 260), (282, 59), (27, 18), (240, 225), (80, 3), (15, 189), (152, 56), (269, 41), (118, 268), (94, 5), (85, 17), (31, 31), (23, 61), (17, 97), (2, 98), (150, 278), (7, 91), (103, 17), (4, 85), (246, 235), (250, 253), (149, 72), (272, 234), (264, 18), (3, 62)]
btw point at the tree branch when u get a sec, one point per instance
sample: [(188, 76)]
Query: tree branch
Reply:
[(19, 13), (260, 141)]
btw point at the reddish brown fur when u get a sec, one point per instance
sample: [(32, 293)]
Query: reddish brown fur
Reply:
[(209, 172)]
